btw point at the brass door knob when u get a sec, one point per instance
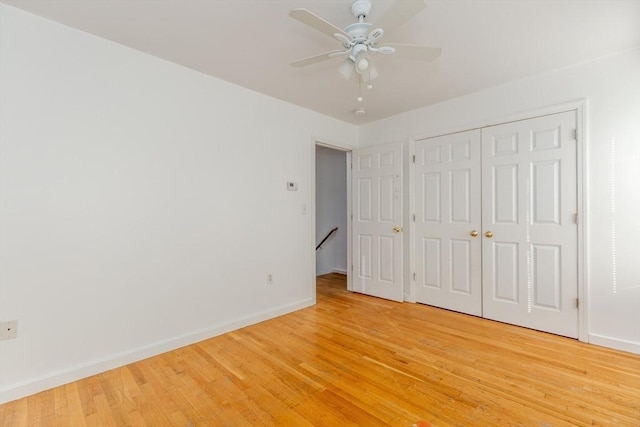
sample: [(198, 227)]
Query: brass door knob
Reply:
[(474, 233), (397, 229), (489, 234)]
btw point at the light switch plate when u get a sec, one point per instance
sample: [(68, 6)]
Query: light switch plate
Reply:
[(292, 186)]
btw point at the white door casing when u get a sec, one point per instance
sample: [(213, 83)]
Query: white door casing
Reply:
[(377, 221), (448, 222), (529, 205)]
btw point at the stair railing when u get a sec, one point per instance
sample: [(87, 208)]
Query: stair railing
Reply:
[(326, 237)]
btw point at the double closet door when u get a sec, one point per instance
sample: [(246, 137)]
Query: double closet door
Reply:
[(495, 228)]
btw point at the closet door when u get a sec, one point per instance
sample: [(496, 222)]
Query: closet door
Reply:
[(447, 224), (529, 232)]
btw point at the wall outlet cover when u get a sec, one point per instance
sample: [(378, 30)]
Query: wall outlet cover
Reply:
[(8, 330)]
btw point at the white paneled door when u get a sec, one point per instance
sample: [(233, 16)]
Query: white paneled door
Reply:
[(529, 208), (495, 223), (448, 222), (377, 221)]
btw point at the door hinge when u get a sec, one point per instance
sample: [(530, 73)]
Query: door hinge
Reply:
[(413, 158), (575, 218), (414, 217), (351, 165), (414, 276), (352, 268), (575, 134), (577, 302)]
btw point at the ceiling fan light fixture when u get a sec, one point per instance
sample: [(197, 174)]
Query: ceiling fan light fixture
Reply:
[(346, 69), (363, 63)]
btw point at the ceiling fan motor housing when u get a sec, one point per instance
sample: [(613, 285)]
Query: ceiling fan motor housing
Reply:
[(358, 30), (361, 8)]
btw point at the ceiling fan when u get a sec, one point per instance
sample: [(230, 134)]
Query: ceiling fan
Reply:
[(359, 40)]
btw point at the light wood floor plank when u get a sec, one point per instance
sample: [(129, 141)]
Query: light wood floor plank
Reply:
[(354, 360)]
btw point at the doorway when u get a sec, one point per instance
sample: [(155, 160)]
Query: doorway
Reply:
[(332, 210)]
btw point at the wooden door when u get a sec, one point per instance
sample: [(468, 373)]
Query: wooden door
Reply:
[(377, 221), (447, 222), (529, 207)]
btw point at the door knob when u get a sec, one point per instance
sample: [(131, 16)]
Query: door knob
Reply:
[(397, 229), (489, 234), (474, 233)]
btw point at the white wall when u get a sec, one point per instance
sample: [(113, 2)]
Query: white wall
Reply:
[(612, 87), (142, 204), (331, 209)]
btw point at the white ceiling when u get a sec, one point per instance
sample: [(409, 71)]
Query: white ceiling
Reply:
[(252, 42)]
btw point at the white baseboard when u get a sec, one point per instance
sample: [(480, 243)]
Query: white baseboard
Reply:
[(339, 271), (64, 376), (615, 343)]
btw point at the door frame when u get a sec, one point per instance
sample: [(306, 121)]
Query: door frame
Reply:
[(347, 149), (580, 106)]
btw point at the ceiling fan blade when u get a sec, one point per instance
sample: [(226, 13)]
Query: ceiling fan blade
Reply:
[(317, 58), (375, 35), (399, 13), (346, 41), (314, 21), (385, 50), (337, 53), (416, 52)]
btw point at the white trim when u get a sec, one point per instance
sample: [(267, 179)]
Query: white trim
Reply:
[(411, 296), (312, 223), (583, 217), (523, 115), (349, 223), (64, 376), (334, 145), (404, 207), (338, 271), (615, 343)]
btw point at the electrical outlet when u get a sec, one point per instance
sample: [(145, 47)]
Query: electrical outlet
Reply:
[(8, 330), (269, 279)]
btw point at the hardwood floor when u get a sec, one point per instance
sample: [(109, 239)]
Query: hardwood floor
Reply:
[(356, 360)]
